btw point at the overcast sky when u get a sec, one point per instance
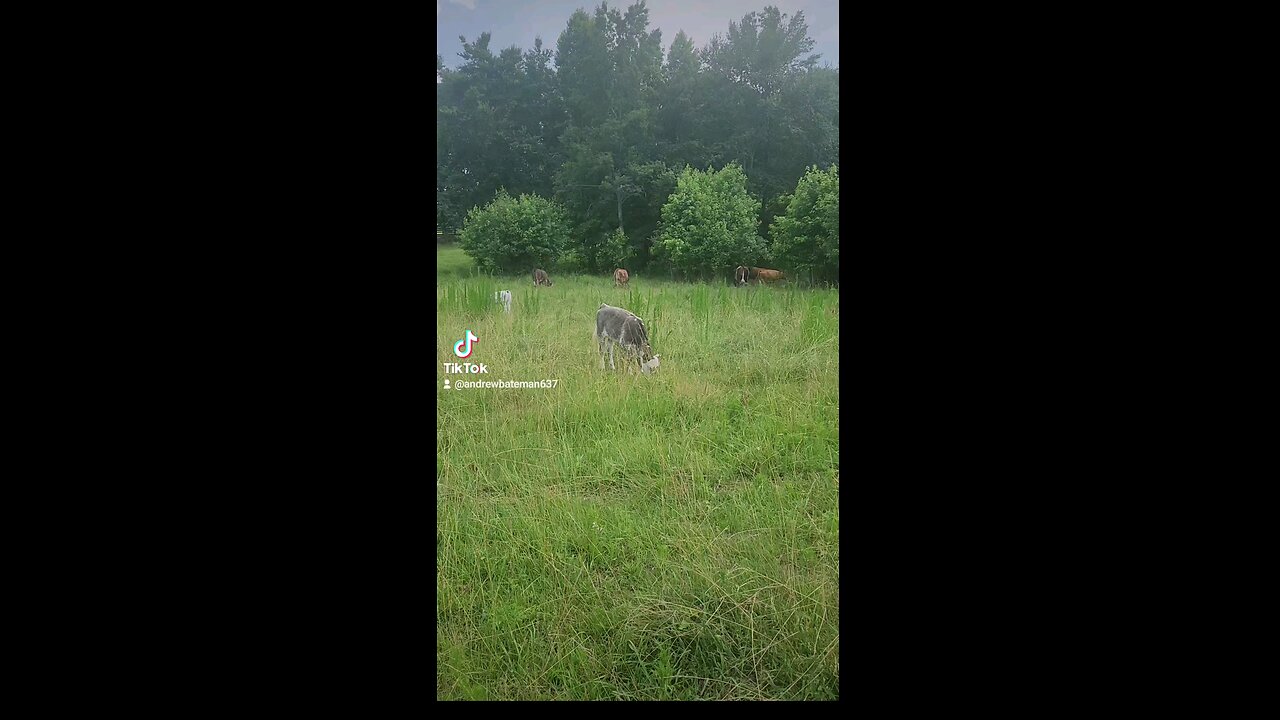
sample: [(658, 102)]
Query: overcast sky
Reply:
[(516, 22)]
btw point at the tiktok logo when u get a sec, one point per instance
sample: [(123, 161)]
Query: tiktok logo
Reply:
[(458, 349)]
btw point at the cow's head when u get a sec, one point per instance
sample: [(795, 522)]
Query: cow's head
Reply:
[(740, 275)]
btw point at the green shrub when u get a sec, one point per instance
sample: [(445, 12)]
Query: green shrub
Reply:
[(807, 236), (709, 223), (515, 235)]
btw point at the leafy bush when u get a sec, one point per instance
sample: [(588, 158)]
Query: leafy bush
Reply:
[(515, 235), (807, 236), (709, 223), (617, 249), (571, 263)]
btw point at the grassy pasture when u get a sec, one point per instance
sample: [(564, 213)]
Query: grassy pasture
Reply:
[(621, 536)]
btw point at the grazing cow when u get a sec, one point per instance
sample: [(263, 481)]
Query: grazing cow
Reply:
[(743, 273), (615, 326), (620, 278), (540, 278), (503, 297), (764, 275)]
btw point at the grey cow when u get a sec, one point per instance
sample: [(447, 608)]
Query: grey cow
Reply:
[(615, 326)]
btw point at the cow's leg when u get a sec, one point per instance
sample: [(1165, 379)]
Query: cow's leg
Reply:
[(611, 365)]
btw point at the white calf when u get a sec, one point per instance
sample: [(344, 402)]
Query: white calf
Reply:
[(504, 298)]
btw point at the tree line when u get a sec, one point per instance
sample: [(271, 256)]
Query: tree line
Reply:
[(621, 157)]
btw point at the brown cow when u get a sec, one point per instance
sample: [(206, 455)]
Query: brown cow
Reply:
[(766, 275), (743, 273), (620, 278), (540, 278)]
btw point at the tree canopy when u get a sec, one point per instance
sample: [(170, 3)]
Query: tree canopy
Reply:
[(608, 127)]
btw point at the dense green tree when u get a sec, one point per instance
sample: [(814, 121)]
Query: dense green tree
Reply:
[(515, 235), (683, 107), (759, 119), (583, 69), (763, 51), (813, 103), (806, 237), (709, 223), (606, 128), (542, 118), (473, 110), (499, 117), (606, 174)]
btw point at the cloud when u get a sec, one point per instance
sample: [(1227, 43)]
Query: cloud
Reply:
[(468, 4)]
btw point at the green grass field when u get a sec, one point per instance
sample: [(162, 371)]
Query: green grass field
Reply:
[(621, 536)]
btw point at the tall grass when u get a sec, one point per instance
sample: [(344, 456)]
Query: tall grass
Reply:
[(672, 536)]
